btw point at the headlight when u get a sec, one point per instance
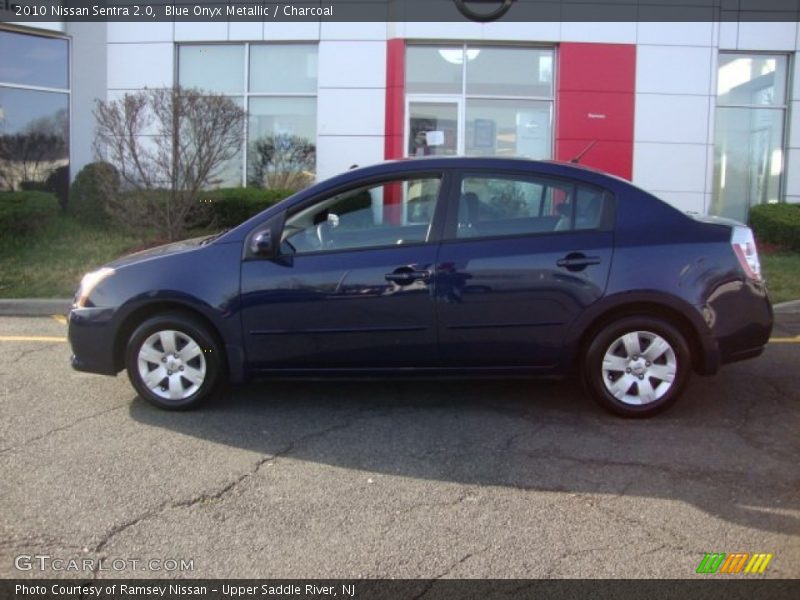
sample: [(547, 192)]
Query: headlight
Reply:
[(89, 282)]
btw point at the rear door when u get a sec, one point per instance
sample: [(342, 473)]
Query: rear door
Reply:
[(522, 256)]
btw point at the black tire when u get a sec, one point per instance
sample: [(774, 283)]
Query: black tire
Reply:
[(595, 373), (209, 357)]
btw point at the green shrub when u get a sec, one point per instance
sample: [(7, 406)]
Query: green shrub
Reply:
[(58, 183), (777, 224), (94, 186), (24, 212), (231, 206)]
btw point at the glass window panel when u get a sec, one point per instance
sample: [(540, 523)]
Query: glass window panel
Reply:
[(490, 207), (755, 79), (229, 173), (748, 159), (433, 129), (510, 72), (364, 217), (508, 128), (285, 69), (589, 205), (34, 135), (434, 69), (33, 60), (214, 68), (282, 137)]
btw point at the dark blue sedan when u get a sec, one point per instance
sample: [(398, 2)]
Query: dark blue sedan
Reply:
[(441, 266)]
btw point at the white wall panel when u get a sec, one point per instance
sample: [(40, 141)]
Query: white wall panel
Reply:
[(796, 79), (794, 125), (352, 64), (373, 30), (336, 154), (670, 167), (673, 70), (201, 31), (767, 36), (245, 30), (675, 34), (444, 31), (139, 32), (351, 111), (548, 31), (293, 31), (134, 66), (671, 118), (793, 172), (728, 35)]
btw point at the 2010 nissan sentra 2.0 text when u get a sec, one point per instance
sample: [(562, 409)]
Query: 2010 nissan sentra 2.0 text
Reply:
[(437, 266)]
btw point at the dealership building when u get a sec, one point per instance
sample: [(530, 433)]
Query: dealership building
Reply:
[(703, 114)]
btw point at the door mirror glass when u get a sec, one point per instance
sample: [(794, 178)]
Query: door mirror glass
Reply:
[(261, 244)]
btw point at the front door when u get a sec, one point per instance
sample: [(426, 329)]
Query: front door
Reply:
[(351, 287), (521, 258)]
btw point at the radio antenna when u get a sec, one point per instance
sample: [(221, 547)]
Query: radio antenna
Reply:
[(578, 157)]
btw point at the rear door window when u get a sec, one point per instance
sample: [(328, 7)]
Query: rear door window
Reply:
[(499, 206)]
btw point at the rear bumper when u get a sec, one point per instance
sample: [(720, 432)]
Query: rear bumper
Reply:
[(91, 336), (740, 320)]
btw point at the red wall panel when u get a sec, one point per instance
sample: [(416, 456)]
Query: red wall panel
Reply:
[(395, 97), (595, 101)]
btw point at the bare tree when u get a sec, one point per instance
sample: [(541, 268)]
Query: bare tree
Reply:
[(282, 161), (167, 145)]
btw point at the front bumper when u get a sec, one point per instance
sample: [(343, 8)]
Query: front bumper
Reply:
[(91, 336)]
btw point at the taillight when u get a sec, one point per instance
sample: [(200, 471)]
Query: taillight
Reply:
[(744, 246)]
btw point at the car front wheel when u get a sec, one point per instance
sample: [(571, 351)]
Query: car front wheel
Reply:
[(637, 366), (173, 361)]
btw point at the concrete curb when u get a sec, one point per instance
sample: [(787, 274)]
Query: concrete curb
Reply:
[(34, 307), (784, 308), (44, 307)]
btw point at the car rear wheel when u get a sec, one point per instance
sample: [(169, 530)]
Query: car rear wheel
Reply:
[(173, 361), (637, 366)]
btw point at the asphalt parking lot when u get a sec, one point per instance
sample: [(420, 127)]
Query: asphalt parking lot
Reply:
[(394, 479)]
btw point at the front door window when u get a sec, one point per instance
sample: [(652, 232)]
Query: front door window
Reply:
[(391, 213)]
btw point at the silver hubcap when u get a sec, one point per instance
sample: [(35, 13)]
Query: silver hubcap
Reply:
[(172, 365), (639, 368)]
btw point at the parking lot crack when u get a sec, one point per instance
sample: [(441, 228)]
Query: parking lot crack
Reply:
[(447, 571), (222, 491), (35, 349), (61, 428)]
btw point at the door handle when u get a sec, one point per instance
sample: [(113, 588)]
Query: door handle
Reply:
[(407, 275), (577, 261)]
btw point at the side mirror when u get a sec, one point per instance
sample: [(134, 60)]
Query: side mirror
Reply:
[(261, 244)]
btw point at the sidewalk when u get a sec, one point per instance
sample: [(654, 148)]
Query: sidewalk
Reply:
[(34, 307), (44, 307)]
